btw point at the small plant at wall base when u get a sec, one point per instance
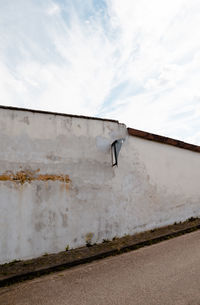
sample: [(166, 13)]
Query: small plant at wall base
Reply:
[(67, 248), (88, 239)]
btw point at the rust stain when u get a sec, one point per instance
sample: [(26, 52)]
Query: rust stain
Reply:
[(28, 176), (67, 186), (63, 178)]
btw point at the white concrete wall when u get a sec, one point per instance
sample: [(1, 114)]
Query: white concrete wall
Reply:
[(154, 185)]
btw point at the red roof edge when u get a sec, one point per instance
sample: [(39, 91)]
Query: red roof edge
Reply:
[(165, 140)]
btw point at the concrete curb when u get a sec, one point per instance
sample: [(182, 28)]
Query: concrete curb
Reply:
[(57, 262)]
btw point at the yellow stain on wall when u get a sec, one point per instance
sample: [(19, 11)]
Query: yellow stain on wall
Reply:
[(28, 176)]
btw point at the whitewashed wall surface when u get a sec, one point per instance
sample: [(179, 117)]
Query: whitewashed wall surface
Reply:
[(58, 188)]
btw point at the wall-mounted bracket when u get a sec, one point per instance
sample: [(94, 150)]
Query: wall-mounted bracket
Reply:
[(115, 149)]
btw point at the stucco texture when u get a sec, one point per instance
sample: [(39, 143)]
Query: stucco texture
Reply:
[(58, 188)]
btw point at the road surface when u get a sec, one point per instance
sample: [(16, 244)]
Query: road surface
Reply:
[(165, 273)]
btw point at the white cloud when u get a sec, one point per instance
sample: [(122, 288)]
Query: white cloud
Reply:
[(136, 61), (53, 9)]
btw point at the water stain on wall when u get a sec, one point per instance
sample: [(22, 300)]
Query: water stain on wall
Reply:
[(29, 176), (52, 157), (26, 120), (64, 219)]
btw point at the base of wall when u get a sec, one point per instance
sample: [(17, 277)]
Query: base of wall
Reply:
[(17, 271)]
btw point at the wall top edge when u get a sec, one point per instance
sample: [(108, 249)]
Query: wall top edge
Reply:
[(131, 131), (56, 113), (161, 139)]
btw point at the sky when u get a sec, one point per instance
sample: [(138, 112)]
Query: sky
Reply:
[(134, 61)]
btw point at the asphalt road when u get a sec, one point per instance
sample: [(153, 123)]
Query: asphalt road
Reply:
[(165, 273)]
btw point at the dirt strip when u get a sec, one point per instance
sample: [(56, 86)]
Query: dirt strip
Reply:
[(17, 271)]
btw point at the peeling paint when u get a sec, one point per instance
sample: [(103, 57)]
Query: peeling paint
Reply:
[(28, 176)]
